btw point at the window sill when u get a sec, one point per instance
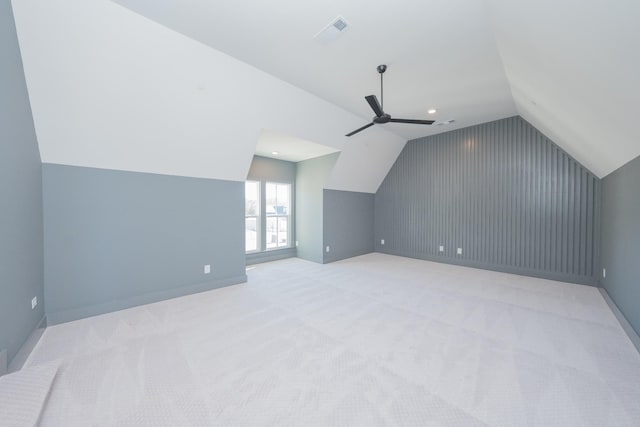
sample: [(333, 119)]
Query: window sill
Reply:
[(270, 255)]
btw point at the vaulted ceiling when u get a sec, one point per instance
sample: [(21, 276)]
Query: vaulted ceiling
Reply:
[(187, 88), (440, 53), (574, 71)]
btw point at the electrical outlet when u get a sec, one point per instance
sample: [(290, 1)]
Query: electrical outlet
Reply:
[(441, 249), (34, 302), (604, 273), (382, 241), (327, 249), (459, 252), (296, 243), (207, 269)]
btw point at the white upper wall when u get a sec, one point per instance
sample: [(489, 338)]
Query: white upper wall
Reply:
[(574, 71), (111, 89)]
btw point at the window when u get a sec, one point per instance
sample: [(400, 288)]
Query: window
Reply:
[(252, 216), (267, 216), (278, 199)]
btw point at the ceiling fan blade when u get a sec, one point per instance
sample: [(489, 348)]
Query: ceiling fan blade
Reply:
[(375, 105), (362, 128), (416, 122)]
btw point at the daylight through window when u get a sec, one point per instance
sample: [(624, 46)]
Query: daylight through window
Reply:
[(267, 216), (252, 216), (278, 198)]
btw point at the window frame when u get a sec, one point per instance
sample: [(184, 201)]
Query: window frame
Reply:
[(288, 216), (258, 217), (261, 222)]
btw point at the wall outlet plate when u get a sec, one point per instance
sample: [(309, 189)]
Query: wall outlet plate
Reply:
[(604, 273), (382, 241), (459, 252), (34, 302), (207, 269), (327, 249), (441, 249)]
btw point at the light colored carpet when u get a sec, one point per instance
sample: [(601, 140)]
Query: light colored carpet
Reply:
[(373, 340), (23, 394)]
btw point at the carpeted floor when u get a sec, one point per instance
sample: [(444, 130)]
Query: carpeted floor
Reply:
[(373, 340)]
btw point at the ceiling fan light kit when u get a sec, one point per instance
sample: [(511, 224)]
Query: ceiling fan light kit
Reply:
[(380, 116)]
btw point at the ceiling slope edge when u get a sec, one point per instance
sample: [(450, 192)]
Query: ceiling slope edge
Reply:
[(111, 89), (572, 74)]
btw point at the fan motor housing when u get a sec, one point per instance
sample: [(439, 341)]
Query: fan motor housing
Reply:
[(382, 119)]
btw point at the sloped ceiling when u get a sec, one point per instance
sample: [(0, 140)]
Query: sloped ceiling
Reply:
[(286, 147), (574, 71), (185, 88), (569, 67), (440, 53), (111, 89)]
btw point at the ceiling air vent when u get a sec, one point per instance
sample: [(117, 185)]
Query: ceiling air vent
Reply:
[(332, 30), (340, 23)]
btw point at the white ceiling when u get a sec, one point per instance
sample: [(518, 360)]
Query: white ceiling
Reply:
[(289, 147), (112, 89), (574, 70), (186, 88), (570, 67), (440, 53)]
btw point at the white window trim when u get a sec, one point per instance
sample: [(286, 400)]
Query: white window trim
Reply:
[(258, 220)]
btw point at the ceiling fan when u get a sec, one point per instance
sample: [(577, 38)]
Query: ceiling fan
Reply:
[(381, 117)]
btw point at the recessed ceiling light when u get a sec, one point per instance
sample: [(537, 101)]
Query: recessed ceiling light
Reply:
[(275, 153), (432, 111)]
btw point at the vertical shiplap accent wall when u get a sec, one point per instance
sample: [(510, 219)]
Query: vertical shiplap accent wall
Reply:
[(501, 191)]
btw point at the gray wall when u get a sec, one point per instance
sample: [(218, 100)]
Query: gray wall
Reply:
[(509, 197), (115, 239), (273, 170), (311, 176), (347, 224), (620, 253), (21, 275)]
